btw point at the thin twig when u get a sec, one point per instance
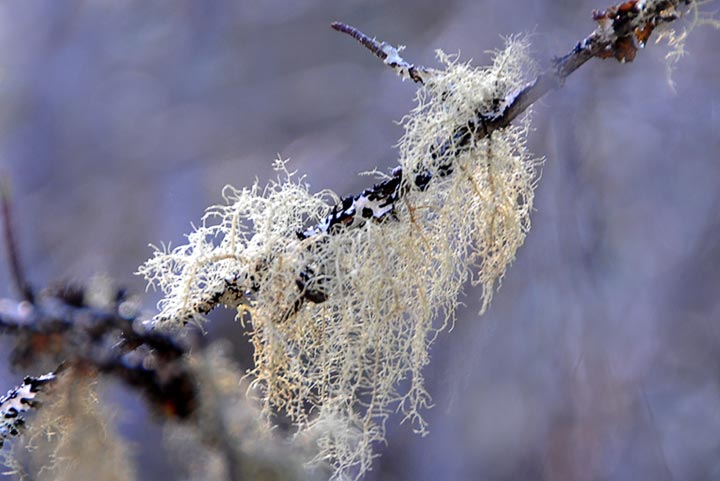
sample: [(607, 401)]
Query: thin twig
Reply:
[(13, 256), (387, 53), (370, 43), (622, 30)]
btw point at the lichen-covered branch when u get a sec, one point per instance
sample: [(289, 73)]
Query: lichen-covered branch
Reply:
[(19, 401), (622, 30), (95, 328), (13, 257)]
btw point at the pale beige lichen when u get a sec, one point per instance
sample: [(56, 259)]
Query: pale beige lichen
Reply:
[(257, 225), (73, 436), (339, 368), (677, 38)]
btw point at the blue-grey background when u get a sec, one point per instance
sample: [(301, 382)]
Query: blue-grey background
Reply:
[(120, 121)]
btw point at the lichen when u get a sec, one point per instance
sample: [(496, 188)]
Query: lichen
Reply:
[(338, 368), (73, 437)]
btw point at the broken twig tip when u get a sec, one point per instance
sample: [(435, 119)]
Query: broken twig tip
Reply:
[(385, 52)]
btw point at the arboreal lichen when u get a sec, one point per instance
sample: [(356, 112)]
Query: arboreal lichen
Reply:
[(338, 366)]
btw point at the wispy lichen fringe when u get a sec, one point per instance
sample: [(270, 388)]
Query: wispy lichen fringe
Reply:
[(339, 368)]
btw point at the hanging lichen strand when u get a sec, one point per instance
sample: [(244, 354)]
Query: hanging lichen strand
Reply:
[(343, 313)]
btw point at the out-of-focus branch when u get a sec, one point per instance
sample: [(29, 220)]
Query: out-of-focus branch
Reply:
[(60, 326), (13, 257), (63, 326), (20, 400)]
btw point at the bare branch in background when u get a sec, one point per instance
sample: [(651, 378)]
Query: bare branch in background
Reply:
[(387, 53), (19, 401), (62, 327)]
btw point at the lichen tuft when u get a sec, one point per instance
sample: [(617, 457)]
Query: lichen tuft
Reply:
[(338, 367)]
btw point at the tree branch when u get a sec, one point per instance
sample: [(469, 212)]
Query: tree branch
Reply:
[(622, 30), (61, 326)]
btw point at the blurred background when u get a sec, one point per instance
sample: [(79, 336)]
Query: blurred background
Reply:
[(600, 357)]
